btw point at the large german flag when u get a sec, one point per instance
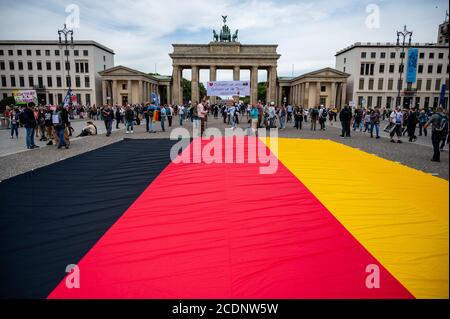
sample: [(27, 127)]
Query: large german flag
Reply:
[(140, 226)]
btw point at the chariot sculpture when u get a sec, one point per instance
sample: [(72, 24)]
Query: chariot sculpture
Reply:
[(225, 33)]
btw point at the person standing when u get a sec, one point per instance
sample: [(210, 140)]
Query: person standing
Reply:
[(58, 122), (163, 116), (298, 117), (170, 113), (314, 116), (375, 122), (423, 119), (202, 112), (439, 122), (151, 110), (345, 116), (118, 116), (411, 125), (14, 123), (254, 115), (323, 113), (108, 117), (129, 119), (282, 115), (396, 119), (29, 121)]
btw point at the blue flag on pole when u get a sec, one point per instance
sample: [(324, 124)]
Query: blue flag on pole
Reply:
[(411, 71)]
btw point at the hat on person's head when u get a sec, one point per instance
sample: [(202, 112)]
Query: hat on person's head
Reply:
[(272, 103)]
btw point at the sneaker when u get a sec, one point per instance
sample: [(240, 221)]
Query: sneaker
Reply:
[(392, 141), (34, 146), (132, 132), (67, 147), (435, 160), (377, 137), (127, 132), (399, 142), (50, 142)]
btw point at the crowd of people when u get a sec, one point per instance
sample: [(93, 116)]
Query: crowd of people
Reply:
[(52, 123)]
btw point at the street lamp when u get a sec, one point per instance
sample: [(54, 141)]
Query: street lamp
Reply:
[(404, 35), (67, 42)]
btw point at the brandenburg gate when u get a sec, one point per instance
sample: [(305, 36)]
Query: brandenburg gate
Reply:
[(225, 52)]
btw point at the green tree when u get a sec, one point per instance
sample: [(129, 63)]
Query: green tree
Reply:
[(187, 90), (262, 91), (6, 101)]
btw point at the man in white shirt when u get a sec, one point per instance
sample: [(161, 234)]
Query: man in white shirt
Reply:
[(396, 119), (271, 113), (201, 111)]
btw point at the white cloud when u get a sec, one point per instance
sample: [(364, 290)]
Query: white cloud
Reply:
[(141, 32)]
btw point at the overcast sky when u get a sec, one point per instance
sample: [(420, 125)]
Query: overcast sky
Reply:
[(308, 32)]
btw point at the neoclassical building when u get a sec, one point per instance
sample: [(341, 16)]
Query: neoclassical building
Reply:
[(124, 85)]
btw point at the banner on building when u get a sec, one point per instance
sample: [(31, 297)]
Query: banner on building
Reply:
[(442, 96), (228, 88), (411, 70), (25, 96)]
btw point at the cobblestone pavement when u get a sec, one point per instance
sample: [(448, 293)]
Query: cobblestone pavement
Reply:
[(17, 160)]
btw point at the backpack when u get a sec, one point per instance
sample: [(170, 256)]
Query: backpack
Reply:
[(443, 124), (324, 113)]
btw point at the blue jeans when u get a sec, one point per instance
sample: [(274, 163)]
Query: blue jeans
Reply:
[(162, 124), (30, 136), (150, 125), (60, 133), (181, 119), (108, 126), (129, 125), (14, 128), (377, 129)]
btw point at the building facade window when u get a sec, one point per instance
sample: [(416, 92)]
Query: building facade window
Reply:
[(4, 81), (57, 53), (369, 101), (48, 65), (28, 52), (428, 86), (87, 82), (31, 81), (11, 65), (379, 98), (39, 65), (392, 55), (19, 52), (381, 68), (427, 102), (431, 55), (371, 84), (88, 99), (421, 55), (437, 85), (390, 84), (58, 81), (21, 81), (420, 69), (47, 52), (430, 68), (85, 52), (373, 55), (361, 84), (38, 52), (49, 81), (40, 82), (391, 68), (383, 55), (419, 84), (380, 84), (439, 69), (13, 81), (20, 65), (2, 65), (77, 82), (58, 66)]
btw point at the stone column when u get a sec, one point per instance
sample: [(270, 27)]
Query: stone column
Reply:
[(212, 77), (333, 94), (302, 93), (169, 96), (291, 95), (105, 92), (280, 95), (254, 85), (114, 97), (306, 98), (176, 82), (271, 84), (236, 77), (343, 94), (141, 91), (194, 84), (129, 91), (317, 102)]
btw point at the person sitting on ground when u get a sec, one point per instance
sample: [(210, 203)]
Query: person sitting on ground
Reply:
[(90, 129)]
